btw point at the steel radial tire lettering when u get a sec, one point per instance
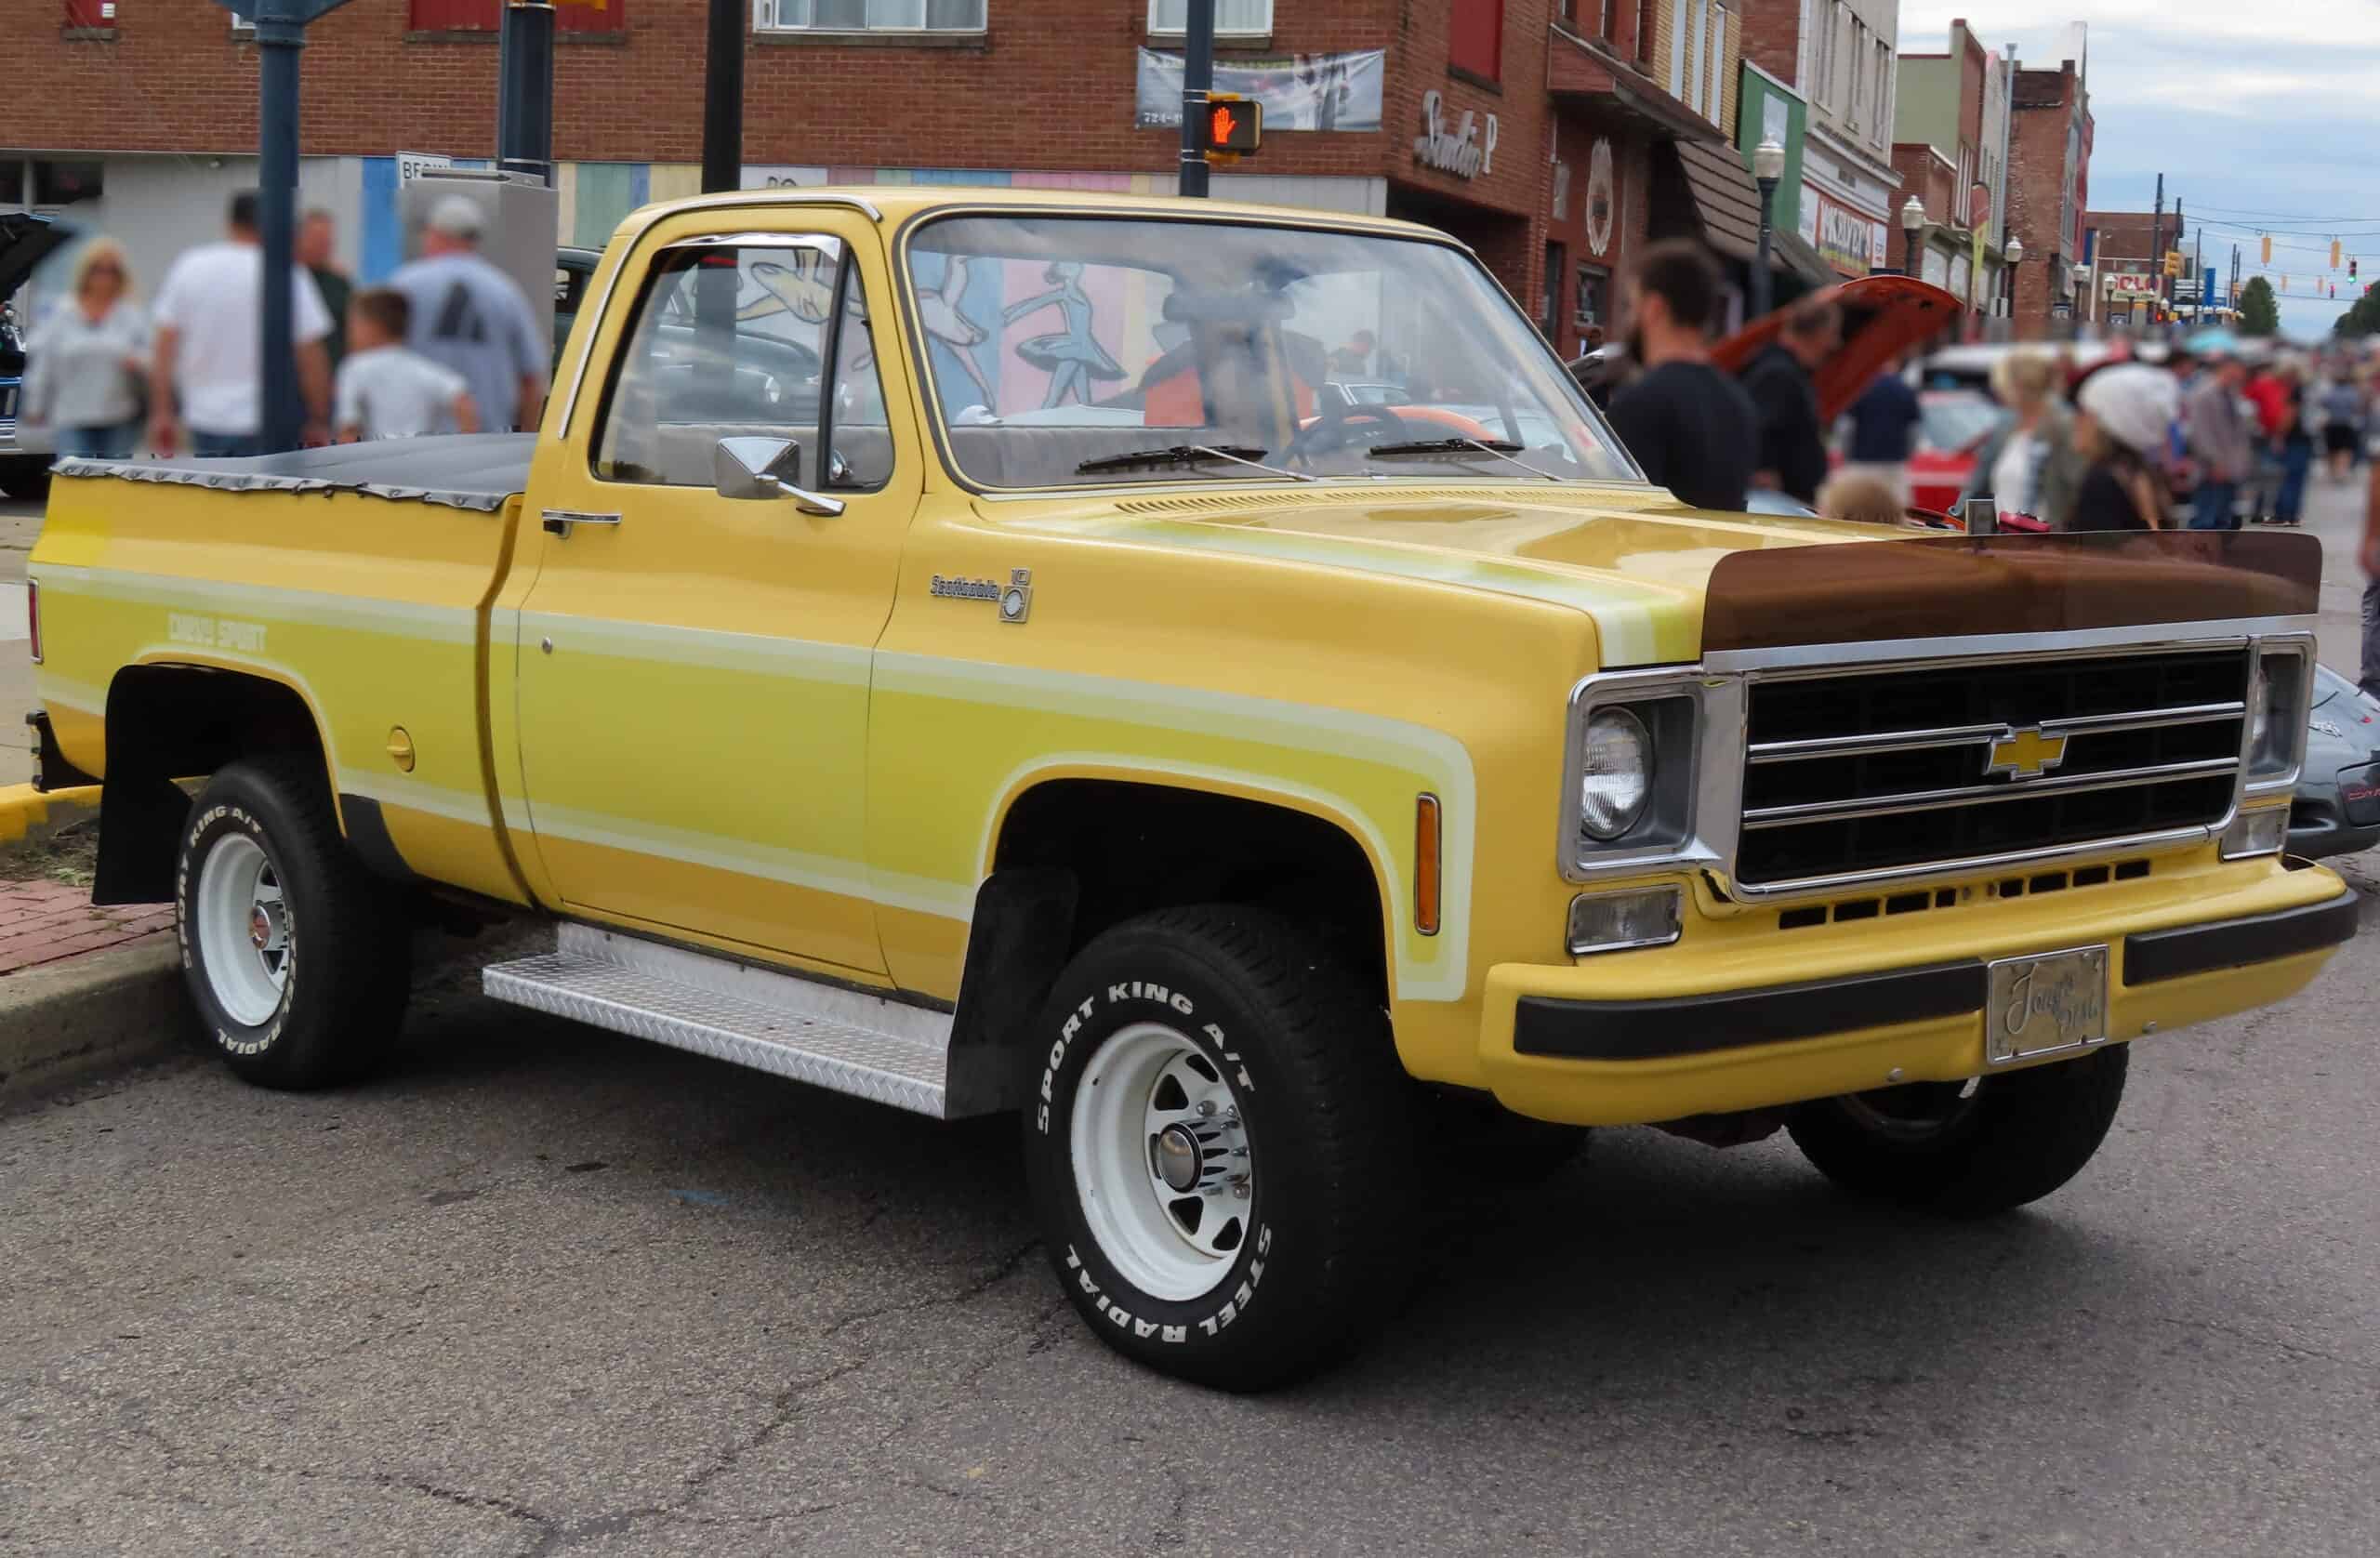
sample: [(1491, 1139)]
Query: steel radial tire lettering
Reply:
[(1232, 1008)]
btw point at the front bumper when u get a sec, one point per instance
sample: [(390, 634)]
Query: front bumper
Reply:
[(1753, 1017)]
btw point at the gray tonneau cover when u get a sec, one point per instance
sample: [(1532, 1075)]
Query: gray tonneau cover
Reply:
[(461, 470)]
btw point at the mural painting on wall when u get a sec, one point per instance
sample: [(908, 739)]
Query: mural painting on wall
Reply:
[(1603, 203), (989, 331)]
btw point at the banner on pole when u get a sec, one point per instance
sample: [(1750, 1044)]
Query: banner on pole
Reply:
[(1297, 91)]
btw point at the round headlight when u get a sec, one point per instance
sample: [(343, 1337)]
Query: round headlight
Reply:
[(1617, 777)]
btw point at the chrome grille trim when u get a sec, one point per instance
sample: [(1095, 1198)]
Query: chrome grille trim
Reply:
[(1722, 682), (1984, 794), (1967, 735)]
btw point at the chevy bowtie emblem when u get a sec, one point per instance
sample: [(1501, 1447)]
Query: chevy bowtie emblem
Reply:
[(2026, 753)]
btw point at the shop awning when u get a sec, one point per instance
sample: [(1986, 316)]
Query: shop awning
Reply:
[(1725, 207)]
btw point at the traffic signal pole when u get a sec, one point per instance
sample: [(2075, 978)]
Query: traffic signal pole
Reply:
[(525, 89), (724, 98), (1198, 80)]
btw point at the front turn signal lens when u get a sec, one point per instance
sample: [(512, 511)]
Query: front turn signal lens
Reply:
[(1425, 865)]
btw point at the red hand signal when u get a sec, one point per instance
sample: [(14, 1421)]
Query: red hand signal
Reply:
[(1222, 127)]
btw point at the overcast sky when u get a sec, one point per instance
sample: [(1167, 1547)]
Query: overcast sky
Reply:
[(2266, 109)]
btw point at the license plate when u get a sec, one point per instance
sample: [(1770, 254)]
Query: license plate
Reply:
[(2043, 1004)]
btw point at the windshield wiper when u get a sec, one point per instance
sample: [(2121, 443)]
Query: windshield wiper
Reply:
[(1188, 454), (1503, 449)]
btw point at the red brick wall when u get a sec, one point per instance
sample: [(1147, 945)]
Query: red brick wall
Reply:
[(1630, 182), (1773, 38), (1049, 88), (173, 79), (2044, 113)]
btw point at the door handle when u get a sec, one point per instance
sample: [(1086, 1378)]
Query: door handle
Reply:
[(559, 521)]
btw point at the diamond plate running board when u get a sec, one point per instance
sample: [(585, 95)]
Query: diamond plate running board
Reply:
[(832, 1038)]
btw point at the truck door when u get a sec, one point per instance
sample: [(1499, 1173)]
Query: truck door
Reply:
[(692, 669)]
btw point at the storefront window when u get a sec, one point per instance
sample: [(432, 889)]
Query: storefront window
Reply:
[(872, 15), (1594, 296), (60, 183), (1549, 304)]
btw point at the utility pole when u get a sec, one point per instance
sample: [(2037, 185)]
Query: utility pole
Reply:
[(2170, 283), (524, 90), (2157, 247), (724, 98), (1198, 80), (281, 33)]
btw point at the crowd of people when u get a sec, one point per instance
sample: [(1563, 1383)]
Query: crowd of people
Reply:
[(2203, 439), (448, 344)]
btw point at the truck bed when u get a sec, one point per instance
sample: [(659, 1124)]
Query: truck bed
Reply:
[(461, 470)]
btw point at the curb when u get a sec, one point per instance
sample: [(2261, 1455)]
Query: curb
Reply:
[(62, 1023), (26, 813)]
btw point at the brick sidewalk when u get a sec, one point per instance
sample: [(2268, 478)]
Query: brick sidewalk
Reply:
[(41, 922)]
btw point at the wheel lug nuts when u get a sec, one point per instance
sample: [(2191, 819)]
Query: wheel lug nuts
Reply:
[(1205, 1106)]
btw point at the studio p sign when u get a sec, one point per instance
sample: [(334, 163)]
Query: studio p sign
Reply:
[(1467, 150)]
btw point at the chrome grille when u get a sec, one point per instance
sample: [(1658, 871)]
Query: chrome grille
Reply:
[(1881, 772)]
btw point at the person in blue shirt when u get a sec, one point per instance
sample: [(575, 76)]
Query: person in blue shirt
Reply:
[(1884, 431)]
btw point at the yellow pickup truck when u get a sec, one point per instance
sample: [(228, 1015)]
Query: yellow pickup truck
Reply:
[(1203, 679)]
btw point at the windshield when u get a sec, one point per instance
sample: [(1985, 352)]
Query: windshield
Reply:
[(1151, 351)]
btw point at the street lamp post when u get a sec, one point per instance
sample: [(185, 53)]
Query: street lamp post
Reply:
[(1913, 221), (2010, 259), (1768, 167)]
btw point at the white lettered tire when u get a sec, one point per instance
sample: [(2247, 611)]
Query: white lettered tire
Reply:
[(1217, 1144), (295, 956)]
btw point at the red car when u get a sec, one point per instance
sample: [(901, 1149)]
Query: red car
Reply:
[(1953, 425)]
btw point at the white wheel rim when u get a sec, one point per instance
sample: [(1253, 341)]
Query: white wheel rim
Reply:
[(242, 924), (1151, 1110)]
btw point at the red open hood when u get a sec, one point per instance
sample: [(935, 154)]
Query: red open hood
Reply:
[(1883, 316)]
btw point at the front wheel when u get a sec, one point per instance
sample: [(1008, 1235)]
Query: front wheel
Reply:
[(1967, 1149), (1218, 1147), (295, 956)]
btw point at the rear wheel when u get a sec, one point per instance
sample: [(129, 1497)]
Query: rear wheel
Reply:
[(296, 955), (1972, 1148), (1219, 1147)]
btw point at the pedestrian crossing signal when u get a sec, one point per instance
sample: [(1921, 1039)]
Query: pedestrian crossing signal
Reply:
[(1235, 125)]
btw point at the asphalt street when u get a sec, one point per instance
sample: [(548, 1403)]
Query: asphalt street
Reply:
[(543, 1290)]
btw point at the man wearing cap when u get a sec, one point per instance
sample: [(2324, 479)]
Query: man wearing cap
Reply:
[(469, 316)]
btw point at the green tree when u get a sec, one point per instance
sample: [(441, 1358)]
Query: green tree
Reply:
[(2363, 319), (2259, 315)]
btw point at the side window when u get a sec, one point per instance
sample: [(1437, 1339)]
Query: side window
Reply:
[(862, 438), (729, 341)]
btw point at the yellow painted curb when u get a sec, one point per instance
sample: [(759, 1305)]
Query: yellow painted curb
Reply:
[(26, 813)]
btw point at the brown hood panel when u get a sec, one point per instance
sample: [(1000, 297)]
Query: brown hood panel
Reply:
[(1955, 585)]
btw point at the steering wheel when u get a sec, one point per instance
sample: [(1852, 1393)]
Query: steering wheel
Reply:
[(1329, 430)]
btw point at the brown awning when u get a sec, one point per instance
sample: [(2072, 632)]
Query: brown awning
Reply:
[(1726, 203)]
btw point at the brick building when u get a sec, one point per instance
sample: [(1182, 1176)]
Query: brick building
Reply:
[(2129, 265), (1839, 54), (1542, 132), (1951, 126), (2049, 166)]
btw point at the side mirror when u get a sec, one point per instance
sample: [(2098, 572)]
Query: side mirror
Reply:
[(760, 467)]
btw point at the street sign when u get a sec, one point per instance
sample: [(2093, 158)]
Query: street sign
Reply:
[(413, 165)]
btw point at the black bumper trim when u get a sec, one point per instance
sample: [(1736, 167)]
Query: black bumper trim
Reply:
[(2150, 956), (1673, 1025)]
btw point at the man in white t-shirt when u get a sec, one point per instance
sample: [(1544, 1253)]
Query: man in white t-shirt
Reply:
[(384, 389), (205, 318)]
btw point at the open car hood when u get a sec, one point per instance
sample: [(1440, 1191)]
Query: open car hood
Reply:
[(1882, 317), (25, 240)]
